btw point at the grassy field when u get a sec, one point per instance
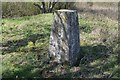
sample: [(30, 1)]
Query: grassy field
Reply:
[(25, 42)]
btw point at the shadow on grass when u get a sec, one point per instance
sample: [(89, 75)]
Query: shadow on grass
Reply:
[(91, 54), (25, 71), (94, 63), (12, 46), (40, 70)]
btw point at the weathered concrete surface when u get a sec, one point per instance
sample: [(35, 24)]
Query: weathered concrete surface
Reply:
[(64, 38)]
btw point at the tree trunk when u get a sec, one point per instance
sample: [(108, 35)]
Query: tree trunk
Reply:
[(51, 6), (64, 38), (43, 7)]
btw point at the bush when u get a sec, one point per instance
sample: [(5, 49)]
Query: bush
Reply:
[(18, 9)]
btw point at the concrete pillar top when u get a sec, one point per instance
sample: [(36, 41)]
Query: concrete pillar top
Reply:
[(66, 10)]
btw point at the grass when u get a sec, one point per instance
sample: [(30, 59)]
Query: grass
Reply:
[(25, 42)]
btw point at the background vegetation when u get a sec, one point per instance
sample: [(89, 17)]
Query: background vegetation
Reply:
[(25, 40)]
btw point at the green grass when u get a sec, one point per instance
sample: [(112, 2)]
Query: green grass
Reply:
[(25, 46)]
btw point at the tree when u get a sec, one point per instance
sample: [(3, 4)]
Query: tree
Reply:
[(44, 7), (51, 6)]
